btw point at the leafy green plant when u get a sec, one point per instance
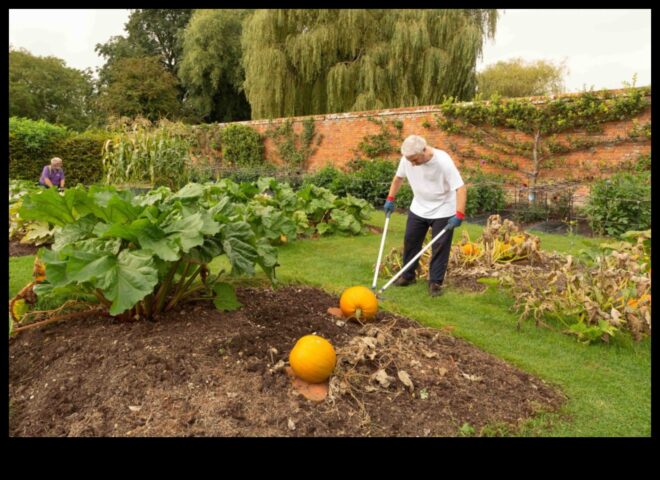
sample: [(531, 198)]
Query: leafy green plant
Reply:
[(531, 212), (142, 255), (366, 179), (242, 146), (30, 232), (279, 214), (485, 194), (327, 177), (35, 134), (620, 203)]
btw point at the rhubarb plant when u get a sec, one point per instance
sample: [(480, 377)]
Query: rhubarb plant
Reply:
[(140, 255)]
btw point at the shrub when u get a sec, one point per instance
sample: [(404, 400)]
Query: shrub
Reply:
[(82, 157), (366, 179), (242, 146), (35, 135), (327, 177), (485, 194), (620, 203)]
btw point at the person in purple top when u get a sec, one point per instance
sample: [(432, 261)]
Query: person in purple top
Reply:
[(52, 175)]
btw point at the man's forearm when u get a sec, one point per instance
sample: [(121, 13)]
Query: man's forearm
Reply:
[(461, 199), (394, 188), (48, 182)]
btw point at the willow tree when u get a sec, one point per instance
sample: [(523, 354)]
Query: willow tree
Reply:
[(300, 62), (210, 67)]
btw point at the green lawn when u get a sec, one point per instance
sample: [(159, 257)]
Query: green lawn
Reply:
[(608, 386)]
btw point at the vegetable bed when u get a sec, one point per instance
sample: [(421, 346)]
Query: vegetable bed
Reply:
[(202, 372)]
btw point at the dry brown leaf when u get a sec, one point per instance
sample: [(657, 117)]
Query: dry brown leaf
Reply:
[(405, 379), (382, 378), (472, 378)]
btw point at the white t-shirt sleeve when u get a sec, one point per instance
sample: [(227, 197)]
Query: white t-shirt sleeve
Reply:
[(453, 177), (401, 171)]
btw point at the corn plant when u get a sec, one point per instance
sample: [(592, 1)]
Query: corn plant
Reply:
[(140, 155)]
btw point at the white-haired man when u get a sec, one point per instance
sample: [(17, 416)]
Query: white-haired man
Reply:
[(52, 175), (439, 200)]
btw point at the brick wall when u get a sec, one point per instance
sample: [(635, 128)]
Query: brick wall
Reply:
[(342, 132)]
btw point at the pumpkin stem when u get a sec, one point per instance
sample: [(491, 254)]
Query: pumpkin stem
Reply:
[(358, 313)]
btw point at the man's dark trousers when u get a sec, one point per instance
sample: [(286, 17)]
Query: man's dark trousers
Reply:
[(416, 228)]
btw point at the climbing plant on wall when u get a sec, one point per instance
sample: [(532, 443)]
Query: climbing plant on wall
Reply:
[(381, 143), (295, 148), (532, 126)]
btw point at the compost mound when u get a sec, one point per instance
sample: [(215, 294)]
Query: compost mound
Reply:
[(201, 372)]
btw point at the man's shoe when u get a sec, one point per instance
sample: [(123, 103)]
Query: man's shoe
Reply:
[(404, 282), (435, 289)]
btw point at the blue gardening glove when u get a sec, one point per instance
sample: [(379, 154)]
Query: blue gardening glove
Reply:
[(389, 205), (456, 220)]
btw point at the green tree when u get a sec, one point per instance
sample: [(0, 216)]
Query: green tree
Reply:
[(301, 62), (44, 88), (517, 78), (151, 32), (140, 87), (117, 48), (210, 67)]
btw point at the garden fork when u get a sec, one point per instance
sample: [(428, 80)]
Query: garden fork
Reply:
[(380, 253), (405, 267)]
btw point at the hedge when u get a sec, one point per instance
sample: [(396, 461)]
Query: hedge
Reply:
[(80, 152)]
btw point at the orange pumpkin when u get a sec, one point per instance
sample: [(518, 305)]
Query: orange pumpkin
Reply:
[(470, 249), (358, 302), (313, 359)]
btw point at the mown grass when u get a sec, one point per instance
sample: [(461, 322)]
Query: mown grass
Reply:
[(608, 386)]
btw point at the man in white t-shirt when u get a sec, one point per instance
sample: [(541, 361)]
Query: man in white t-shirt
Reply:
[(439, 200)]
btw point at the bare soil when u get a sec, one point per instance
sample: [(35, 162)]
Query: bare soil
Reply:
[(17, 249), (200, 372)]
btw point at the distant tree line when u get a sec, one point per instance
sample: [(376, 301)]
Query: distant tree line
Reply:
[(224, 65)]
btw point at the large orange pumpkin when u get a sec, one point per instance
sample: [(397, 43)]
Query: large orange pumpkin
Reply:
[(313, 358), (358, 302)]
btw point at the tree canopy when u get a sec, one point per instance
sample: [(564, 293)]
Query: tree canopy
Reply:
[(517, 78), (210, 67), (140, 87), (44, 88), (151, 32), (300, 62)]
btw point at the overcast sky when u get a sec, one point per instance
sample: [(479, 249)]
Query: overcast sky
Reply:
[(602, 48)]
